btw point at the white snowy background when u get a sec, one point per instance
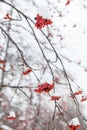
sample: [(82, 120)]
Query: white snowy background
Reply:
[(69, 36)]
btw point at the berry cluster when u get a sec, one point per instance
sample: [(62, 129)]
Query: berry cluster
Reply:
[(45, 87), (41, 22)]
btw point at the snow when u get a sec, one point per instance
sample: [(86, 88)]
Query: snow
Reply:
[(74, 122), (11, 114), (6, 127)]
